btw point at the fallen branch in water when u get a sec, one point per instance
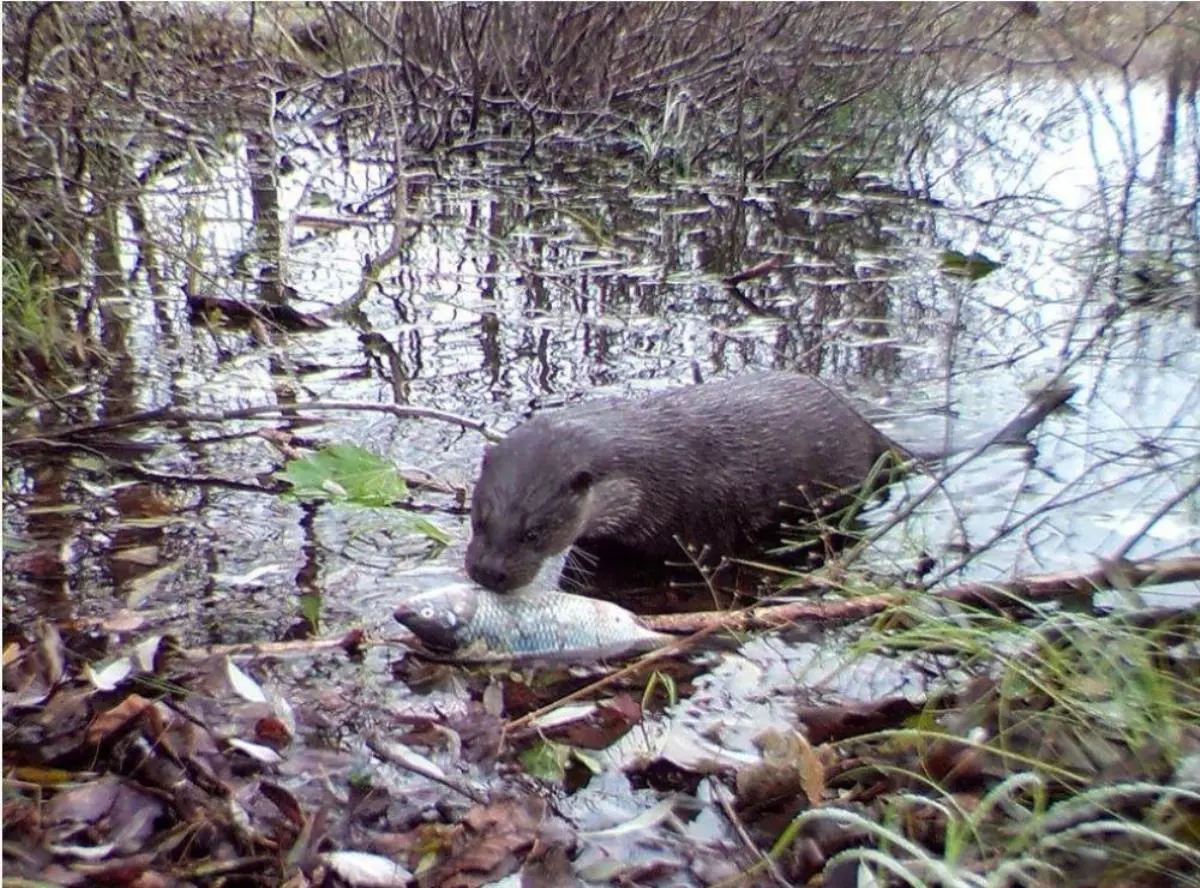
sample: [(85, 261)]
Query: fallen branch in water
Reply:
[(169, 415), (762, 269), (1052, 395), (1008, 595)]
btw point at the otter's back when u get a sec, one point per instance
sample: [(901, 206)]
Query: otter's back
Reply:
[(714, 461)]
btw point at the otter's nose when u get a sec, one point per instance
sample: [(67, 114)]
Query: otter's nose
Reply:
[(492, 576)]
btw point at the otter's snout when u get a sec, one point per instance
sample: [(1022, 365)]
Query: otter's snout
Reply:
[(490, 574), (493, 571), (499, 573)]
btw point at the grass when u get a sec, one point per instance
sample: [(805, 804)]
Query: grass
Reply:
[(38, 340), (1070, 766)]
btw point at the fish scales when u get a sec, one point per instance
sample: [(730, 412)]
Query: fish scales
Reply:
[(476, 623)]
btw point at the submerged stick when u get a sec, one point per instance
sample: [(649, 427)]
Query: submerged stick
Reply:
[(170, 415), (1049, 398)]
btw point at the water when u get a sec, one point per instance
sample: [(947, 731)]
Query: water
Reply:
[(518, 287)]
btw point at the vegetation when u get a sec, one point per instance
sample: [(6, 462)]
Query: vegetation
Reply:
[(38, 340)]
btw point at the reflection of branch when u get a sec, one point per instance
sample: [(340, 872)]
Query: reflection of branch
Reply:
[(1002, 596), (166, 415), (1052, 395), (1058, 501), (1159, 513)]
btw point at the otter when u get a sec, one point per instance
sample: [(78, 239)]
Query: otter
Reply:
[(713, 465)]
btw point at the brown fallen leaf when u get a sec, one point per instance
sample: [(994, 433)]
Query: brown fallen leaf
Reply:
[(488, 844), (606, 725), (825, 724), (108, 723), (271, 731), (146, 556), (284, 801), (548, 866), (790, 778)]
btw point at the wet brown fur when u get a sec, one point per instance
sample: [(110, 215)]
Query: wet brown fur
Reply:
[(713, 464)]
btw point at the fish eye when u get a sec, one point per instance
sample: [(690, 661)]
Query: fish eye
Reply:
[(427, 612)]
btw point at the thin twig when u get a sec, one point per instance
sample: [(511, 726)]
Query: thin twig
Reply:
[(1158, 514), (380, 746), (736, 822)]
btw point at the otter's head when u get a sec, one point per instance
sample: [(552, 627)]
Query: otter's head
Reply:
[(532, 501)]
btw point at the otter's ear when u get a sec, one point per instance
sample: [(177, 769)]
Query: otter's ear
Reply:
[(580, 482), (487, 455)]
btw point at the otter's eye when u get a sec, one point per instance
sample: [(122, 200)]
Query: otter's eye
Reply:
[(531, 537)]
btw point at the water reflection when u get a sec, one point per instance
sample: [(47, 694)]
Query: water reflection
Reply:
[(513, 286)]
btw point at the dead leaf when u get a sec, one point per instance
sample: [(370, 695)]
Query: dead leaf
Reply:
[(84, 804), (108, 723), (549, 866), (50, 649), (487, 844), (284, 801), (146, 556), (123, 620), (108, 677), (262, 754), (362, 870), (828, 723), (43, 776), (791, 748), (272, 732), (647, 820), (611, 720), (243, 685), (352, 642), (790, 778), (142, 586)]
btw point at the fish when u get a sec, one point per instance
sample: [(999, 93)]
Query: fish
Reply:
[(476, 625)]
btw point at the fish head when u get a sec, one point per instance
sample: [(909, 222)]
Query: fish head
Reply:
[(440, 617)]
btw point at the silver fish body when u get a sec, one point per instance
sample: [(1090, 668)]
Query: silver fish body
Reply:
[(478, 625)]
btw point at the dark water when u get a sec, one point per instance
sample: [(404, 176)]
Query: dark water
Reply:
[(519, 287)]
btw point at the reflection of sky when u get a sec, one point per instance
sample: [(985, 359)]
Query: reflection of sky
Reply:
[(1140, 384)]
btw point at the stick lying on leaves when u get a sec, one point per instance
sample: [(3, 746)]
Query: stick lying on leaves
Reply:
[(1010, 595)]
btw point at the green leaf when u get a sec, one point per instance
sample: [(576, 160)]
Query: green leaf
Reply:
[(546, 761), (588, 760), (972, 267), (310, 609), (431, 530), (345, 472)]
